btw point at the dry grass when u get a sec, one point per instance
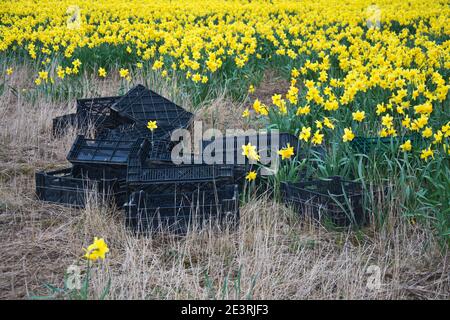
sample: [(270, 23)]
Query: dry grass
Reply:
[(222, 114), (273, 255)]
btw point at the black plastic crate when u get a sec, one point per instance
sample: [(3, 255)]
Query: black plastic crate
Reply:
[(262, 141), (105, 151), (98, 172), (98, 112), (61, 187), (338, 200), (365, 145), (88, 107), (231, 146), (140, 105), (145, 175), (127, 98), (179, 212), (144, 167), (124, 131), (133, 132), (152, 153), (90, 111), (81, 124), (160, 152), (179, 187), (60, 124)]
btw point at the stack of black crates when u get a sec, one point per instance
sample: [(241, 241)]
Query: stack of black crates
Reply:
[(131, 166)]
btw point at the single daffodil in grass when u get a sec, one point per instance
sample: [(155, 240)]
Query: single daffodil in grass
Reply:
[(348, 135), (101, 72), (427, 153), (305, 134), (97, 250), (328, 123), (438, 137), (151, 125), (359, 116), (286, 153), (251, 175), (124, 73), (406, 146), (317, 138), (250, 152), (427, 132)]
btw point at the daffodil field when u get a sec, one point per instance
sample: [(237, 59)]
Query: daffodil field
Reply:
[(356, 68)]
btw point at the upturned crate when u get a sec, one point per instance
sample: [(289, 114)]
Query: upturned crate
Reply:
[(141, 105)]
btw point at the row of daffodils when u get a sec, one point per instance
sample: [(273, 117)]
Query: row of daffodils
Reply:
[(360, 68)]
